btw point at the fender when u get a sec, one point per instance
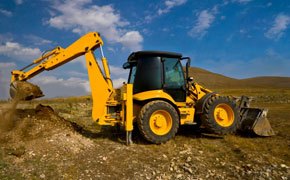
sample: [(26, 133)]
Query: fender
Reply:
[(154, 94), (201, 102)]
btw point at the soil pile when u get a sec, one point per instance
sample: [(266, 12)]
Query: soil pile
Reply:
[(18, 125), (38, 141)]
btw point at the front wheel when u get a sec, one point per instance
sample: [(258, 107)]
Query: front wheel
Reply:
[(158, 121), (220, 115)]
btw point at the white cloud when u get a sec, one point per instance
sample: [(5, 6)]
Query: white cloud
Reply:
[(115, 70), (132, 40), (18, 2), (242, 1), (118, 74), (36, 40), (77, 74), (280, 24), (81, 60), (111, 49), (81, 16), (6, 12), (5, 38), (59, 87), (204, 21), (18, 51), (119, 82), (118, 71), (169, 4), (5, 75), (74, 86)]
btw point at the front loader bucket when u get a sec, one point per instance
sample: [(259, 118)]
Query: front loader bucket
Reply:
[(254, 121), (23, 90)]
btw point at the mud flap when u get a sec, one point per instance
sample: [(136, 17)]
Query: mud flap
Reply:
[(23, 90), (254, 121)]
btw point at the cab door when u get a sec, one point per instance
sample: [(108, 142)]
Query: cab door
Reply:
[(173, 79)]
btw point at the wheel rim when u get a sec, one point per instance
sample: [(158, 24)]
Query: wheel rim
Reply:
[(160, 122), (224, 115)]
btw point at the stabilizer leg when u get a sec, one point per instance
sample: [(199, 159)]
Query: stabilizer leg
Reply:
[(129, 138)]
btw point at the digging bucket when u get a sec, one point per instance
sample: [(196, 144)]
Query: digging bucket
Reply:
[(254, 121), (23, 90)]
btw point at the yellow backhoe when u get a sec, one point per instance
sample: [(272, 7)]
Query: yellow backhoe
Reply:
[(159, 95)]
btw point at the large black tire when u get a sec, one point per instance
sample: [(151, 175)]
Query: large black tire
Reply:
[(158, 121), (220, 115)]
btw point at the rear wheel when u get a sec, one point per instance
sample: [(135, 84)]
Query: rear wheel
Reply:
[(158, 121), (220, 115)]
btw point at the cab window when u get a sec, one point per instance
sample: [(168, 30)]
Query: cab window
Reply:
[(174, 78)]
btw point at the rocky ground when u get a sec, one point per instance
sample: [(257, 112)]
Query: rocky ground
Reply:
[(62, 142)]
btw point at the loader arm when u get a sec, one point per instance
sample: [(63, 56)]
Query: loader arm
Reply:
[(101, 84)]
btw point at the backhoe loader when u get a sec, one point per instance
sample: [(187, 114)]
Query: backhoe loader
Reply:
[(159, 95)]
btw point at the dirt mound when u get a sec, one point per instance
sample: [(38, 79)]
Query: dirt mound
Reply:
[(39, 140), (40, 129), (24, 125)]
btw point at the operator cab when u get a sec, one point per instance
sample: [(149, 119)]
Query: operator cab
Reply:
[(156, 70)]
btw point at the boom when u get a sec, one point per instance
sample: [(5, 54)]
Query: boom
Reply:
[(101, 84), (59, 56)]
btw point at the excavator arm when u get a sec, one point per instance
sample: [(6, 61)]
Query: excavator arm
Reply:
[(59, 56), (101, 84)]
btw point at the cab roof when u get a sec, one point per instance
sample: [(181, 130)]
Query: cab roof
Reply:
[(136, 55)]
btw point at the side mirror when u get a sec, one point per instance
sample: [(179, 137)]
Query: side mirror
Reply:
[(187, 66), (189, 79), (126, 65)]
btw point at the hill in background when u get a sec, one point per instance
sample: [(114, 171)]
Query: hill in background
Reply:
[(214, 80)]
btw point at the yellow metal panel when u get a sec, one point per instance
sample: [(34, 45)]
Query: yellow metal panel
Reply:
[(186, 115), (147, 95), (129, 108), (106, 67), (180, 104), (84, 44), (60, 56), (201, 91), (99, 87)]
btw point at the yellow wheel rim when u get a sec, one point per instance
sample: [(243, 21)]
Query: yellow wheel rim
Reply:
[(160, 122), (224, 115)]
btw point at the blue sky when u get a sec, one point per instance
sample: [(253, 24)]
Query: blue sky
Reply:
[(237, 38)]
